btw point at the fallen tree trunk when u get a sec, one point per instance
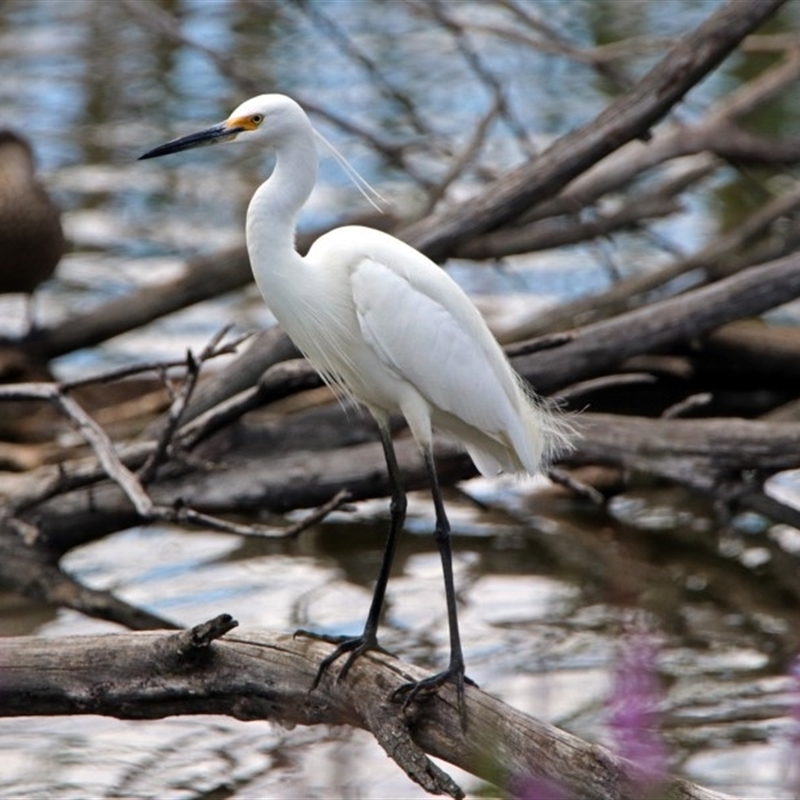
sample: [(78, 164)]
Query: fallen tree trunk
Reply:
[(602, 346), (258, 675), (256, 471)]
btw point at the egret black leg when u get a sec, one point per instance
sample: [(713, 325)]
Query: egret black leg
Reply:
[(455, 670), (368, 640)]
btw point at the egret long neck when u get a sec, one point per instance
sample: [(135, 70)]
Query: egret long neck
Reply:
[(272, 213)]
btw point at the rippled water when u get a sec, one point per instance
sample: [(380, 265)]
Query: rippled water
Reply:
[(549, 587)]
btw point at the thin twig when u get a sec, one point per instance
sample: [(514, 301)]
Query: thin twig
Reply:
[(279, 381), (687, 404), (580, 488), (94, 435), (118, 373), (336, 503), (540, 343), (179, 405), (604, 382), (376, 76), (160, 20), (464, 159), (495, 88), (186, 515), (104, 450)]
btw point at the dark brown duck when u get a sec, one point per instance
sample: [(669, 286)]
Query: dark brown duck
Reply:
[(31, 238)]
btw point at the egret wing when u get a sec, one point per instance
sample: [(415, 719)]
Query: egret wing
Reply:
[(422, 325)]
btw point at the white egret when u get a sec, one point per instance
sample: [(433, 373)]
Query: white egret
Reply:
[(385, 326)]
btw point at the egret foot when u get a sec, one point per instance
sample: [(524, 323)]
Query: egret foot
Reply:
[(427, 686), (356, 646)]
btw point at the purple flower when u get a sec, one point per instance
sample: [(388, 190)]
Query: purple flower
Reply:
[(633, 712), (793, 760), (533, 788)]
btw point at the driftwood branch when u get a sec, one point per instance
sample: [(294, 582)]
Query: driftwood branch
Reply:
[(96, 437), (296, 471), (636, 157), (602, 346), (709, 455), (32, 569), (726, 254), (260, 675), (293, 477), (629, 117)]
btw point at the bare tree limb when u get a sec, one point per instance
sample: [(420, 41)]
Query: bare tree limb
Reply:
[(552, 233), (629, 117), (261, 675), (729, 249), (599, 347), (620, 168), (178, 407), (460, 163), (28, 566), (597, 350), (102, 446), (494, 87), (158, 19), (111, 465)]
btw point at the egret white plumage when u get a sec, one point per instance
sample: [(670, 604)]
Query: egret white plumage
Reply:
[(388, 328)]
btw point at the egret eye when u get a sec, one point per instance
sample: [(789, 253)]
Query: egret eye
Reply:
[(257, 119)]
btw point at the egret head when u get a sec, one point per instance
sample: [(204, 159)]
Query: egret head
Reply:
[(272, 117)]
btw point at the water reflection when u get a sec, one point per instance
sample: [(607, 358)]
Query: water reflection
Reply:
[(541, 629), (547, 584)]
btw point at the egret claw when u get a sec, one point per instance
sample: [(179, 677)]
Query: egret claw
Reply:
[(413, 689), (356, 646)]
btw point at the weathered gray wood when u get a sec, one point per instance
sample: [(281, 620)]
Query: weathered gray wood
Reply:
[(203, 277), (273, 467), (602, 346), (695, 452), (752, 349), (33, 571), (724, 255), (629, 117), (261, 675)]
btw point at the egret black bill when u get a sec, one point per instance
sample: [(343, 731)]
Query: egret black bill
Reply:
[(216, 134)]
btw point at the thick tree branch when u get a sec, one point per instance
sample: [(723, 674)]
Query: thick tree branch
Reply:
[(31, 569), (629, 117), (261, 675), (600, 347), (703, 454), (725, 254)]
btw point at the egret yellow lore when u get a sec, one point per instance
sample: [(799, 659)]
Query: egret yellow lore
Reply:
[(385, 326)]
